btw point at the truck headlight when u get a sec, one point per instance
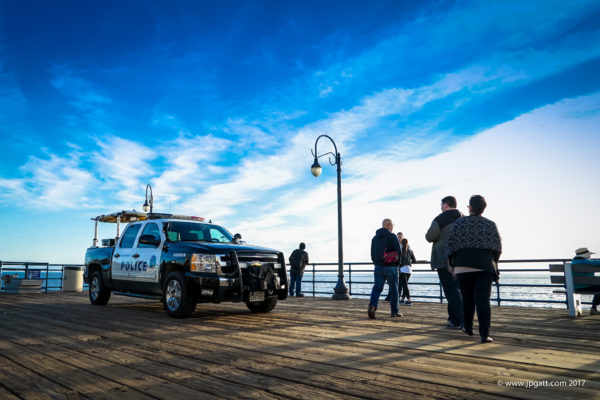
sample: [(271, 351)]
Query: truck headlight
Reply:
[(205, 263)]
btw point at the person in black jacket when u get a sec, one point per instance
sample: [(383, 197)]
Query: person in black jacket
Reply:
[(438, 235), (385, 241), (408, 257), (298, 260), (387, 297)]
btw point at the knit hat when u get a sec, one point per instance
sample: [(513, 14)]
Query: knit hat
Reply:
[(583, 252)]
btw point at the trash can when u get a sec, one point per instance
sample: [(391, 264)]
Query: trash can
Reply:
[(73, 279)]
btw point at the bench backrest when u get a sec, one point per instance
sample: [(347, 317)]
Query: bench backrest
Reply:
[(577, 280)]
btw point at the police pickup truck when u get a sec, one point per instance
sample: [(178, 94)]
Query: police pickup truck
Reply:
[(183, 261)]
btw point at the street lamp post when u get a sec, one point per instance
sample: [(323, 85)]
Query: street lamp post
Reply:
[(340, 290), (149, 200)]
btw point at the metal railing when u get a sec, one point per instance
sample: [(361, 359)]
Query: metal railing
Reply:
[(316, 274), (315, 283), (51, 275)]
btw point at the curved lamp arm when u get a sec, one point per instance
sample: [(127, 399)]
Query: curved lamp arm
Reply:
[(316, 169)]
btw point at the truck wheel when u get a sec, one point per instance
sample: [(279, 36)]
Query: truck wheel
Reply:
[(176, 301), (99, 294), (263, 306)]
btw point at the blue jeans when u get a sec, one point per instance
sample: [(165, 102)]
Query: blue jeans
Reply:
[(295, 283), (383, 274)]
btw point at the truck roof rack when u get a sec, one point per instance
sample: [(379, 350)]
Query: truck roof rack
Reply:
[(174, 216), (133, 215), (122, 216)]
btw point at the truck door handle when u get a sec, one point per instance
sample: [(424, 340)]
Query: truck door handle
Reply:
[(117, 255), (136, 255)]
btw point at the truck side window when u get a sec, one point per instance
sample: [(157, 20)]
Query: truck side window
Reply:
[(172, 236), (129, 235), (150, 229), (218, 236)]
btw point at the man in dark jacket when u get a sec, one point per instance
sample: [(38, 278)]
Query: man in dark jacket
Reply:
[(298, 260), (385, 241), (438, 235)]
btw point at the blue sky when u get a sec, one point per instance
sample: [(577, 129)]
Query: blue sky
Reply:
[(217, 105)]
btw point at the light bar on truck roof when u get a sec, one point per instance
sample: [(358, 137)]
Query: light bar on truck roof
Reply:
[(174, 216), (132, 216), (123, 216)]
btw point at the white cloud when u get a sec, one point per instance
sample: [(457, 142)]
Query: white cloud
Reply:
[(51, 184), (189, 165), (537, 173), (123, 166)]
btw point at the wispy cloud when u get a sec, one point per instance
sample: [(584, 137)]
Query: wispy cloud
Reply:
[(81, 93), (53, 183)]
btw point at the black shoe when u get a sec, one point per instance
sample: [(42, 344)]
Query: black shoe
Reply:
[(396, 315), (468, 331), (291, 295), (486, 340), (453, 325), (371, 312), (386, 299), (300, 295)]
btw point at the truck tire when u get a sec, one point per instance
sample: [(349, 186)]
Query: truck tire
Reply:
[(263, 306), (99, 294), (176, 300)]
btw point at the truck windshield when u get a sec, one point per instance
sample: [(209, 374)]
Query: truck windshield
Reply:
[(184, 231)]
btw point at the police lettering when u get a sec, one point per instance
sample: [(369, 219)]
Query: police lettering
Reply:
[(134, 266)]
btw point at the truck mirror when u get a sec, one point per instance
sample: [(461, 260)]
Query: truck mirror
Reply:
[(149, 240), (237, 238)]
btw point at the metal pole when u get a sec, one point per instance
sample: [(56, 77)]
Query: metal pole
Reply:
[(341, 290)]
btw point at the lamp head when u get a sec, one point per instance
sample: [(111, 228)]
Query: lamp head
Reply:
[(316, 169), (146, 207)]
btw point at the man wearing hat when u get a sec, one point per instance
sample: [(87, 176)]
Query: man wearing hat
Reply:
[(582, 256)]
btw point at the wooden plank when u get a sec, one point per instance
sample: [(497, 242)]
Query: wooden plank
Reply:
[(237, 316), (24, 383), (236, 381), (557, 268), (6, 395), (336, 385), (311, 346)]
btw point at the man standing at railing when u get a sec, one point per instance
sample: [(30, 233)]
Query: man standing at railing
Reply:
[(438, 235), (582, 257), (385, 254), (298, 260)]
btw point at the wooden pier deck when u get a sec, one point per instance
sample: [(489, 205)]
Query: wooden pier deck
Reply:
[(59, 346)]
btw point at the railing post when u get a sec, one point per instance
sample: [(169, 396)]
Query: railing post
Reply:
[(313, 281), (26, 270), (498, 293), (47, 273), (350, 278)]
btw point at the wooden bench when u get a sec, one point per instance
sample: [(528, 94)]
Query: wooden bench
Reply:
[(19, 285), (569, 281)]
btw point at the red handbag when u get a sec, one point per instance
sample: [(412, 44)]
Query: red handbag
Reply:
[(390, 258)]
